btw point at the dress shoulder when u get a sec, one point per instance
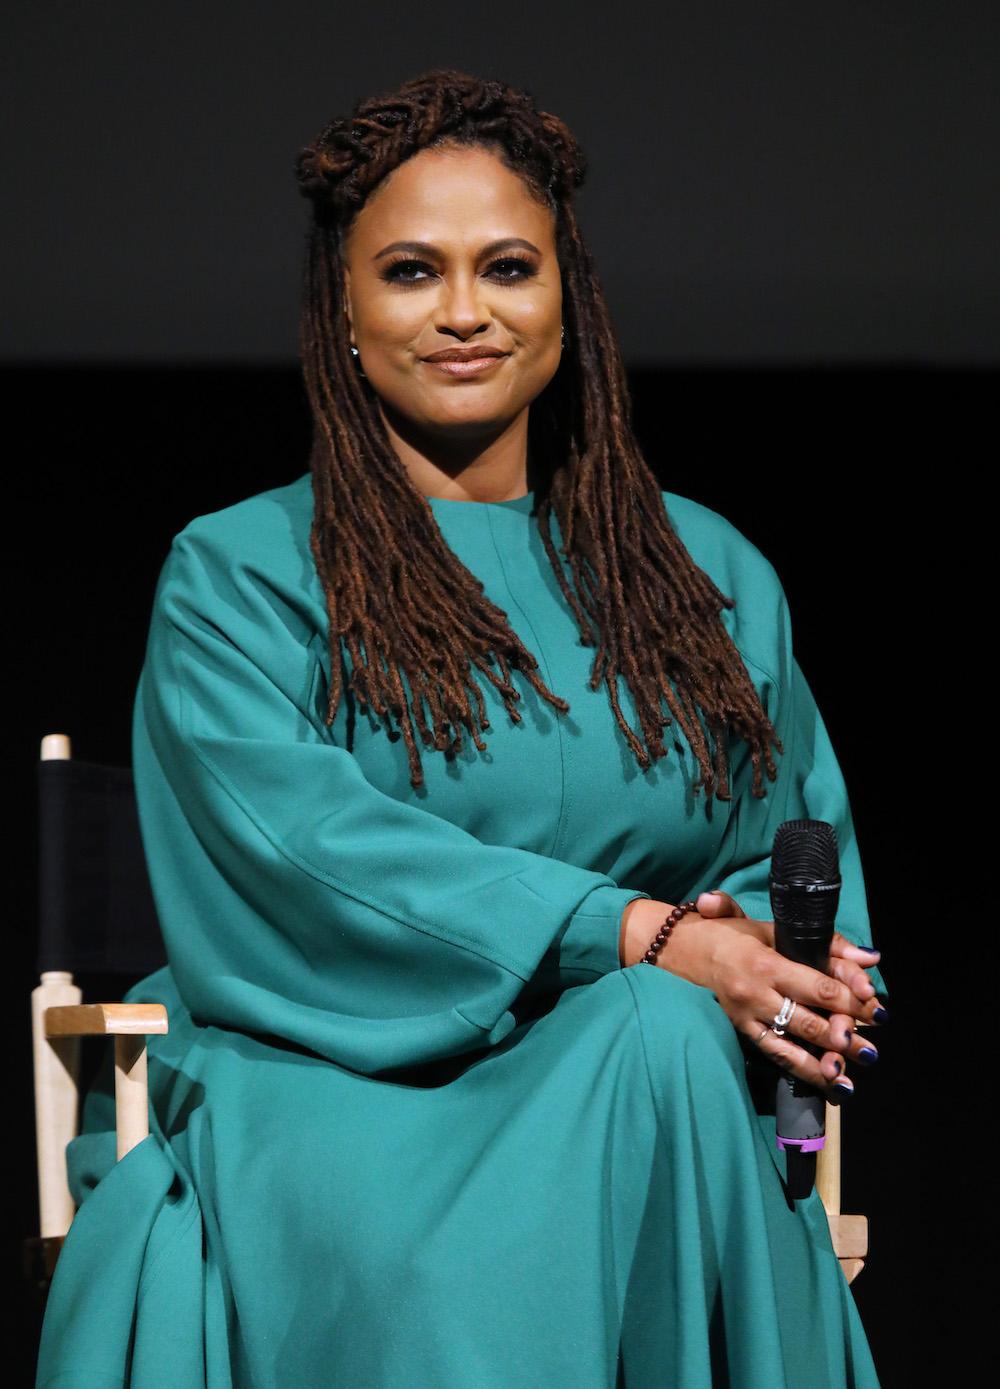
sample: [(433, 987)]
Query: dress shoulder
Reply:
[(758, 623), (262, 527)]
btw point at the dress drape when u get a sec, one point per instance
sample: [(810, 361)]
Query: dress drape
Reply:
[(412, 1124)]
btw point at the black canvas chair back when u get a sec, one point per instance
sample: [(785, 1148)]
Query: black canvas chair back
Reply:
[(96, 910)]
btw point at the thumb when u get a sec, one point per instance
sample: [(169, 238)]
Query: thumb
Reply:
[(718, 903)]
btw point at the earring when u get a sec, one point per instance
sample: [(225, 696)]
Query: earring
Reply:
[(357, 362), (562, 340)]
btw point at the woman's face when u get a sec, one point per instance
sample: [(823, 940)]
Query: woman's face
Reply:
[(486, 275)]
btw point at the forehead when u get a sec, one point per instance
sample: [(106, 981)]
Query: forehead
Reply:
[(454, 197)]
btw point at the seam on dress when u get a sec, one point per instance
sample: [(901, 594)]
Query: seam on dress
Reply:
[(548, 680), (757, 666), (450, 938), (310, 869)]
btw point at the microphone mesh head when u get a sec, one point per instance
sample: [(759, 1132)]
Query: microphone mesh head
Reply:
[(805, 851)]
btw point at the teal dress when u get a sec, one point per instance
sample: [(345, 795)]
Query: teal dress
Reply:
[(413, 1126)]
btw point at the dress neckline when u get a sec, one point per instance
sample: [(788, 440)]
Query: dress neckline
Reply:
[(451, 504)]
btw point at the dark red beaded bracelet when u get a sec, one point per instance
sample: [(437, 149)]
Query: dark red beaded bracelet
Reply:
[(658, 940)]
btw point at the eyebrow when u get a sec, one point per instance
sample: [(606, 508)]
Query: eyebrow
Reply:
[(425, 248)]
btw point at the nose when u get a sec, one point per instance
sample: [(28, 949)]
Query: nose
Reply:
[(460, 310)]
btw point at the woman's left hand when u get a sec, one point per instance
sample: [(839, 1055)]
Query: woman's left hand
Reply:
[(845, 963)]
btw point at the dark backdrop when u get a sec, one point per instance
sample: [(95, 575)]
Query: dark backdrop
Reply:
[(791, 212), (768, 182)]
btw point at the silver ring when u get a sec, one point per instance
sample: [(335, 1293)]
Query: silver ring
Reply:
[(783, 1017), (762, 1035)]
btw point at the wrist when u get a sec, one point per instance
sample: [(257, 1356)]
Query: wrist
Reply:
[(684, 949), (641, 920)]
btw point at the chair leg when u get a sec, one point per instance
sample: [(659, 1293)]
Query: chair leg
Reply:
[(828, 1162), (131, 1091), (57, 1071), (848, 1233)]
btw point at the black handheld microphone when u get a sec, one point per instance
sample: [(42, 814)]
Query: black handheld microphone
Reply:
[(805, 890)]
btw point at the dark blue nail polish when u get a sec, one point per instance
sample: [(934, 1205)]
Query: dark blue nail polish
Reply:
[(844, 1089), (868, 1055), (847, 1037), (881, 1015), (870, 949)]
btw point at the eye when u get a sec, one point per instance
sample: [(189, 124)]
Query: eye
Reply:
[(514, 269), (394, 270), (523, 268)]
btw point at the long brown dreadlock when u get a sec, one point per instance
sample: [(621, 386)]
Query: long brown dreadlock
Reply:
[(392, 584)]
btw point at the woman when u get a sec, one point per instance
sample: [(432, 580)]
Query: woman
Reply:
[(424, 1116)]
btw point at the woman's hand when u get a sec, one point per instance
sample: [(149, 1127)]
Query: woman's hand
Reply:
[(723, 949), (767, 977)]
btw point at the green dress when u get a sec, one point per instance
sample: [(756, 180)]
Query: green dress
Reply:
[(413, 1126)]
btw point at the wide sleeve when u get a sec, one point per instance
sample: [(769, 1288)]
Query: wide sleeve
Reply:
[(295, 898), (809, 784)]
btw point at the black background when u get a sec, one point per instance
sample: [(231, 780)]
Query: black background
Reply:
[(792, 213)]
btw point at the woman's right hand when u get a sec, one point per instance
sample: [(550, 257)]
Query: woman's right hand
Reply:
[(734, 956)]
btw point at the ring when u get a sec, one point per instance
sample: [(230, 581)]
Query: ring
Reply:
[(781, 1020), (783, 1017)]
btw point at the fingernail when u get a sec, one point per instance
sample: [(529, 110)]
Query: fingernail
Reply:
[(868, 1055), (881, 1015), (842, 1089), (848, 1036), (869, 950)]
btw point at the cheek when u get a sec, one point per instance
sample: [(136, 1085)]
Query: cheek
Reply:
[(535, 318), (392, 322)]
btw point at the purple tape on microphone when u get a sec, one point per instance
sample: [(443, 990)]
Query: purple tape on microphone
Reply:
[(804, 1145)]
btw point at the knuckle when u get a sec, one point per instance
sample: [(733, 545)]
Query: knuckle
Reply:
[(740, 991), (828, 989), (812, 1027), (762, 964)]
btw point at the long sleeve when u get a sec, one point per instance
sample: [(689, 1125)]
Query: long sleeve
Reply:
[(298, 900), (809, 784)]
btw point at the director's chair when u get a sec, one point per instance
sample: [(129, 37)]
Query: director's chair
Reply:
[(96, 917)]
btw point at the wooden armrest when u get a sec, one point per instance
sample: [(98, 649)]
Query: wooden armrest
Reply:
[(105, 1019), (129, 1024)]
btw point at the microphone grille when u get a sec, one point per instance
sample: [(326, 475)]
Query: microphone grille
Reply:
[(805, 850)]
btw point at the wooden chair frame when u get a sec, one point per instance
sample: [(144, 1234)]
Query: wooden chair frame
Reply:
[(59, 1018)]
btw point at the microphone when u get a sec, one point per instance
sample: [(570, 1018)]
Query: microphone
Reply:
[(805, 890)]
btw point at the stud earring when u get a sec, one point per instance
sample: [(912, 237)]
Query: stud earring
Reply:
[(357, 360), (562, 340)]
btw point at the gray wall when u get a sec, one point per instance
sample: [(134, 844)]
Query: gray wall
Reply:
[(779, 182)]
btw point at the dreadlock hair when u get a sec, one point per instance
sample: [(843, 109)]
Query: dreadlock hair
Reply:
[(393, 586)]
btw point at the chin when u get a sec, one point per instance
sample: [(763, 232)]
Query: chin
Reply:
[(468, 406)]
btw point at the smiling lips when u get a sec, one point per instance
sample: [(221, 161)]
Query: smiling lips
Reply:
[(469, 361)]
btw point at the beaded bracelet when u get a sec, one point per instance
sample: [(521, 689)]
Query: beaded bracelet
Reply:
[(660, 938)]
